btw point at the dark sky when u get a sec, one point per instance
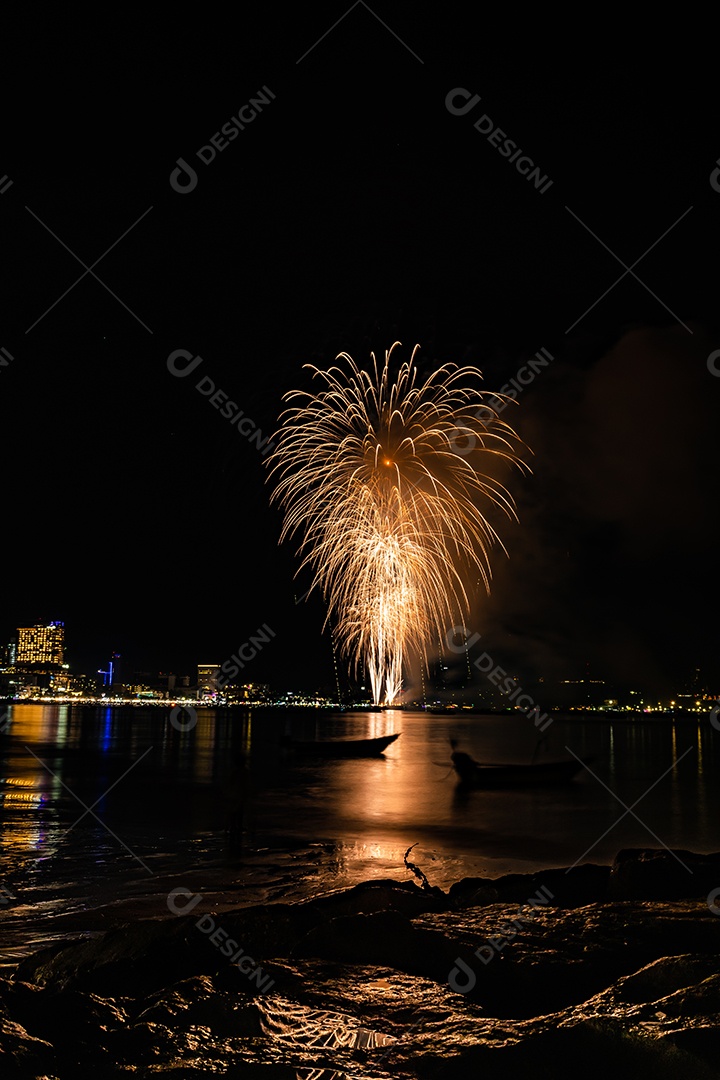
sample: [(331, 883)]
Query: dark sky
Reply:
[(354, 210)]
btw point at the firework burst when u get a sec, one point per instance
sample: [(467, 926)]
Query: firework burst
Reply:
[(389, 481)]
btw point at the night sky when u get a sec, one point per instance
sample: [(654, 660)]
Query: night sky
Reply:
[(353, 211)]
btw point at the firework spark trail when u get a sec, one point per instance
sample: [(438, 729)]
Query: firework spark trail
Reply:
[(367, 469)]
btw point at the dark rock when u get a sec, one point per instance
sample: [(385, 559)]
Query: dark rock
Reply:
[(701, 1000), (373, 896), (656, 874), (22, 1055), (558, 987), (385, 939), (197, 1003), (665, 976), (18, 999), (700, 1040), (473, 892), (572, 887), (69, 1015), (270, 930), (129, 961), (576, 887), (151, 954)]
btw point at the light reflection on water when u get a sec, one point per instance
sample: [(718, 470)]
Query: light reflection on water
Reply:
[(313, 825)]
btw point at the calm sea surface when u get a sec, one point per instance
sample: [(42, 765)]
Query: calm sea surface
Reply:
[(104, 810)]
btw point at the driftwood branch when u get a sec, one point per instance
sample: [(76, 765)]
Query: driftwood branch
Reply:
[(416, 869)]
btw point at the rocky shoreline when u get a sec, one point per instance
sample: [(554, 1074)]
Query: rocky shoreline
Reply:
[(593, 969)]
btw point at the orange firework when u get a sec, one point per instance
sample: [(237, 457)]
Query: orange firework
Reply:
[(387, 479)]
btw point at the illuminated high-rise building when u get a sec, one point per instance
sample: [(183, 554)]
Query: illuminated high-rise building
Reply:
[(41, 645), (208, 675)]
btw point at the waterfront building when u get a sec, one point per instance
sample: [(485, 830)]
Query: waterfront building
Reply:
[(41, 646), (207, 678)]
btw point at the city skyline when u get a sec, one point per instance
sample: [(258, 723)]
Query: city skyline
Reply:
[(463, 672)]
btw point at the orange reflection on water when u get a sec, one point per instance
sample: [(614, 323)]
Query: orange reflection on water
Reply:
[(26, 790), (19, 796), (39, 723), (22, 791), (378, 796), (204, 748)]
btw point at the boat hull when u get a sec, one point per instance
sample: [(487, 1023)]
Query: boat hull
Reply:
[(547, 774), (343, 748)]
